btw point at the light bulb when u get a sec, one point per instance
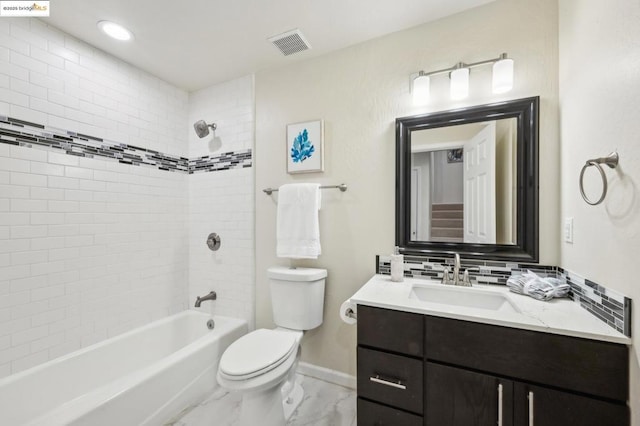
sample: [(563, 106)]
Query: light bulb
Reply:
[(502, 76), (114, 30), (421, 89), (459, 83)]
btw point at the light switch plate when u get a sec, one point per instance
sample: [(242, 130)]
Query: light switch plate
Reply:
[(568, 230)]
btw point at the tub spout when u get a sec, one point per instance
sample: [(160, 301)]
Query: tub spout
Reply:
[(211, 296)]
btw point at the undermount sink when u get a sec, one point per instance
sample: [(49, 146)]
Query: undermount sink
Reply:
[(462, 297)]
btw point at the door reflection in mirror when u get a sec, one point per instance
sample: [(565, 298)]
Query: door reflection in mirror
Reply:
[(464, 183)]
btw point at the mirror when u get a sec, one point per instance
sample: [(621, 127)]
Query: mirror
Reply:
[(467, 181)]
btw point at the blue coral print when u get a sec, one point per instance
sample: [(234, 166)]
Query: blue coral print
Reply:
[(302, 147)]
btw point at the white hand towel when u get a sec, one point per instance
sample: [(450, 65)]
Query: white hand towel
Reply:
[(298, 229)]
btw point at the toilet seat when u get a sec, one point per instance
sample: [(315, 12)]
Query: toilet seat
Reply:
[(257, 353)]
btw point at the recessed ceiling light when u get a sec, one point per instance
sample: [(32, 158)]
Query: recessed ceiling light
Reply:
[(115, 30)]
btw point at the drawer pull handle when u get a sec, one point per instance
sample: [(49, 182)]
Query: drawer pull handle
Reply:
[(530, 396), (500, 404), (397, 385)]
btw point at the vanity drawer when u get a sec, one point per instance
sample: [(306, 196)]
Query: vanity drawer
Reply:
[(582, 365), (390, 379), (372, 414), (394, 331)]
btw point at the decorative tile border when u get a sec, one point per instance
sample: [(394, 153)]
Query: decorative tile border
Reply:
[(607, 305), (23, 133)]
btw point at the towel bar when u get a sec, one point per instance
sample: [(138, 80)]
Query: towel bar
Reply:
[(342, 187)]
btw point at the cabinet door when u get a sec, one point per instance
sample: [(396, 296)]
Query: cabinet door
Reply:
[(539, 406), (457, 397)]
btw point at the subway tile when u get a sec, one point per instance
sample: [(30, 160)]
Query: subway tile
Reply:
[(14, 164), (14, 98), (28, 153), (62, 206), (47, 193), (51, 340), (24, 87), (46, 169), (47, 218), (63, 182), (45, 106), (21, 205), (28, 231), (63, 230), (14, 44), (77, 172), (14, 245), (14, 218), (26, 35), (29, 361), (66, 160), (28, 179), (28, 257)]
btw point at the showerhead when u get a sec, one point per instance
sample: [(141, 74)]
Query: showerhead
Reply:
[(202, 128)]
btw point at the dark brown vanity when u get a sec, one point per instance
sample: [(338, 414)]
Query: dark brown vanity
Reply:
[(416, 369)]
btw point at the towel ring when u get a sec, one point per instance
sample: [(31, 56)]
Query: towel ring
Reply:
[(612, 161)]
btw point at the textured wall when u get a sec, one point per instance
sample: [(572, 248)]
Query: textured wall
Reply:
[(599, 92), (359, 92)]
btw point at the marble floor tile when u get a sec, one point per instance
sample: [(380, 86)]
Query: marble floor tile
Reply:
[(324, 404)]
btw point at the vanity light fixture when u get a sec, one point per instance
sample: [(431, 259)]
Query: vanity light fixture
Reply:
[(114, 30), (502, 80)]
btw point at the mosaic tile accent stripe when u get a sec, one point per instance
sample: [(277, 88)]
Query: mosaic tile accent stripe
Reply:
[(23, 133), (607, 305)]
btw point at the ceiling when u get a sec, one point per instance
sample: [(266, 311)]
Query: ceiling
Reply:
[(197, 43)]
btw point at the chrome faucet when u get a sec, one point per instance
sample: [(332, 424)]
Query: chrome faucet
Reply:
[(211, 296), (446, 279)]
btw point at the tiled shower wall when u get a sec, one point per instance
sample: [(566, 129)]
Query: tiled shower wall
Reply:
[(51, 78), (222, 202), (90, 247)]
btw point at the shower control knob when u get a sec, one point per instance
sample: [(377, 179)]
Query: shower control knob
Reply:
[(213, 241)]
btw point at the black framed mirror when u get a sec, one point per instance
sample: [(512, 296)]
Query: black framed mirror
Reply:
[(467, 181)]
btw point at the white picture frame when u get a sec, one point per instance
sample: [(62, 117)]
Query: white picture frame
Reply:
[(305, 147)]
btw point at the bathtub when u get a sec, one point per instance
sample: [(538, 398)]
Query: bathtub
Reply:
[(142, 377)]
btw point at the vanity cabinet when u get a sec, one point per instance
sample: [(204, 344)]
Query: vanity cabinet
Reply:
[(419, 369)]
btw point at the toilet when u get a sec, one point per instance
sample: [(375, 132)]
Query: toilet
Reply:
[(262, 364)]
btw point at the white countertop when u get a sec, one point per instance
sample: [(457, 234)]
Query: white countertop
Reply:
[(559, 316)]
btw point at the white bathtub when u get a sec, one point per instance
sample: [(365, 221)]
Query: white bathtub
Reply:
[(142, 377)]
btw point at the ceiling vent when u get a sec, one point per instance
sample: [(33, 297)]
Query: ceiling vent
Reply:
[(290, 42)]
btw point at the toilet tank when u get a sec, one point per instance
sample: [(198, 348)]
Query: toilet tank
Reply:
[(297, 296)]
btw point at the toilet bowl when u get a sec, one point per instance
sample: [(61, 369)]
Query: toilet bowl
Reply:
[(259, 364), (262, 364)]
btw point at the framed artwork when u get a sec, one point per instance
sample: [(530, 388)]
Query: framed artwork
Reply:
[(305, 147), (454, 155)]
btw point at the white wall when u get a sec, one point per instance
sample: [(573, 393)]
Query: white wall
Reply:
[(223, 202), (359, 92), (52, 78), (89, 248), (448, 180), (599, 92)]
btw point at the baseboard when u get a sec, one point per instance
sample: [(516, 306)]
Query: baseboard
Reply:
[(328, 375)]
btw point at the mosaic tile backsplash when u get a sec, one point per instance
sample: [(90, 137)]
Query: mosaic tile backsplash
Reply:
[(607, 305), (19, 132)]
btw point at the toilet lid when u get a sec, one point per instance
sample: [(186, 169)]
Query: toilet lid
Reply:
[(257, 352)]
